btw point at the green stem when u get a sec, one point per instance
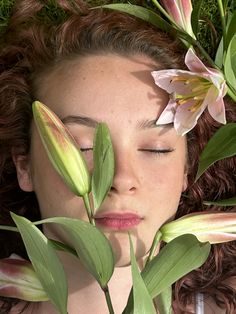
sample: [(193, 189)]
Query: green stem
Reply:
[(108, 299), (155, 243), (222, 16), (88, 209), (8, 228)]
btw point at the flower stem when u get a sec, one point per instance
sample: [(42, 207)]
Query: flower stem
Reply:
[(155, 243), (222, 16), (108, 299), (9, 228), (88, 209)]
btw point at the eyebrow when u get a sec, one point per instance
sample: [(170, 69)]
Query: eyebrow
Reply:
[(86, 121), (90, 122)]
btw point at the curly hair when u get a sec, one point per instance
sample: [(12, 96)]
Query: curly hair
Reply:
[(33, 46)]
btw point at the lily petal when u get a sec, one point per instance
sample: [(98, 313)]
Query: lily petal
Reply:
[(216, 107), (167, 116), (173, 9), (216, 237), (168, 80), (186, 119), (193, 63)]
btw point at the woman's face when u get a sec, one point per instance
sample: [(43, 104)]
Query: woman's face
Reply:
[(149, 159)]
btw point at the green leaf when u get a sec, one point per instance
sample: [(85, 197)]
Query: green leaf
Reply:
[(103, 159), (176, 259), (91, 246), (164, 301), (59, 246), (142, 13), (45, 262), (221, 51), (230, 63), (195, 17), (142, 300), (231, 29), (219, 58), (225, 4), (228, 202), (221, 145)]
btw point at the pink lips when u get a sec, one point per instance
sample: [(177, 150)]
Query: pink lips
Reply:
[(118, 221)]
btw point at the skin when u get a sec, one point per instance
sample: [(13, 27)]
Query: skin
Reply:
[(148, 182)]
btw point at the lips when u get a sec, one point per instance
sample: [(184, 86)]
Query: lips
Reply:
[(118, 221)]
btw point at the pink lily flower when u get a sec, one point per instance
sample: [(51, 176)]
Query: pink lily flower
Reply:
[(207, 227), (191, 92), (62, 150), (18, 280), (180, 11)]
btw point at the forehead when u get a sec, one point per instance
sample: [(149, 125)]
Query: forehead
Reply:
[(102, 87)]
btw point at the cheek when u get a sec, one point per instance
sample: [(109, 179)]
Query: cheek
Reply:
[(165, 184), (169, 173)]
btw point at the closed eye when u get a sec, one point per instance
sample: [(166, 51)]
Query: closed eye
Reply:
[(86, 149), (156, 151)]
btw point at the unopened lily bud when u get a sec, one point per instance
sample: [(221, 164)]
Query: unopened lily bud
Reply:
[(180, 11), (207, 227), (18, 280), (62, 150)]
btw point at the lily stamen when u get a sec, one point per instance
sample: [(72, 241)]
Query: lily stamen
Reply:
[(196, 89)]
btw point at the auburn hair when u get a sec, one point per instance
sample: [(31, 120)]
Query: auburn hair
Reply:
[(34, 45)]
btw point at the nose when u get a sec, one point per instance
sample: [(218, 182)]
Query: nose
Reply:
[(126, 176)]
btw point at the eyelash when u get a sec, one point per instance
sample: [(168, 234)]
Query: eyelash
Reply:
[(86, 149), (149, 150), (156, 151)]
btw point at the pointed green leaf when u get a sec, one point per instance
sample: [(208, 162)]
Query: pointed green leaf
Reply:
[(195, 16), (225, 4), (45, 262), (230, 63), (219, 58), (91, 246), (229, 202), (59, 246), (142, 300), (175, 260), (142, 13), (164, 301), (103, 160), (221, 145), (221, 51)]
